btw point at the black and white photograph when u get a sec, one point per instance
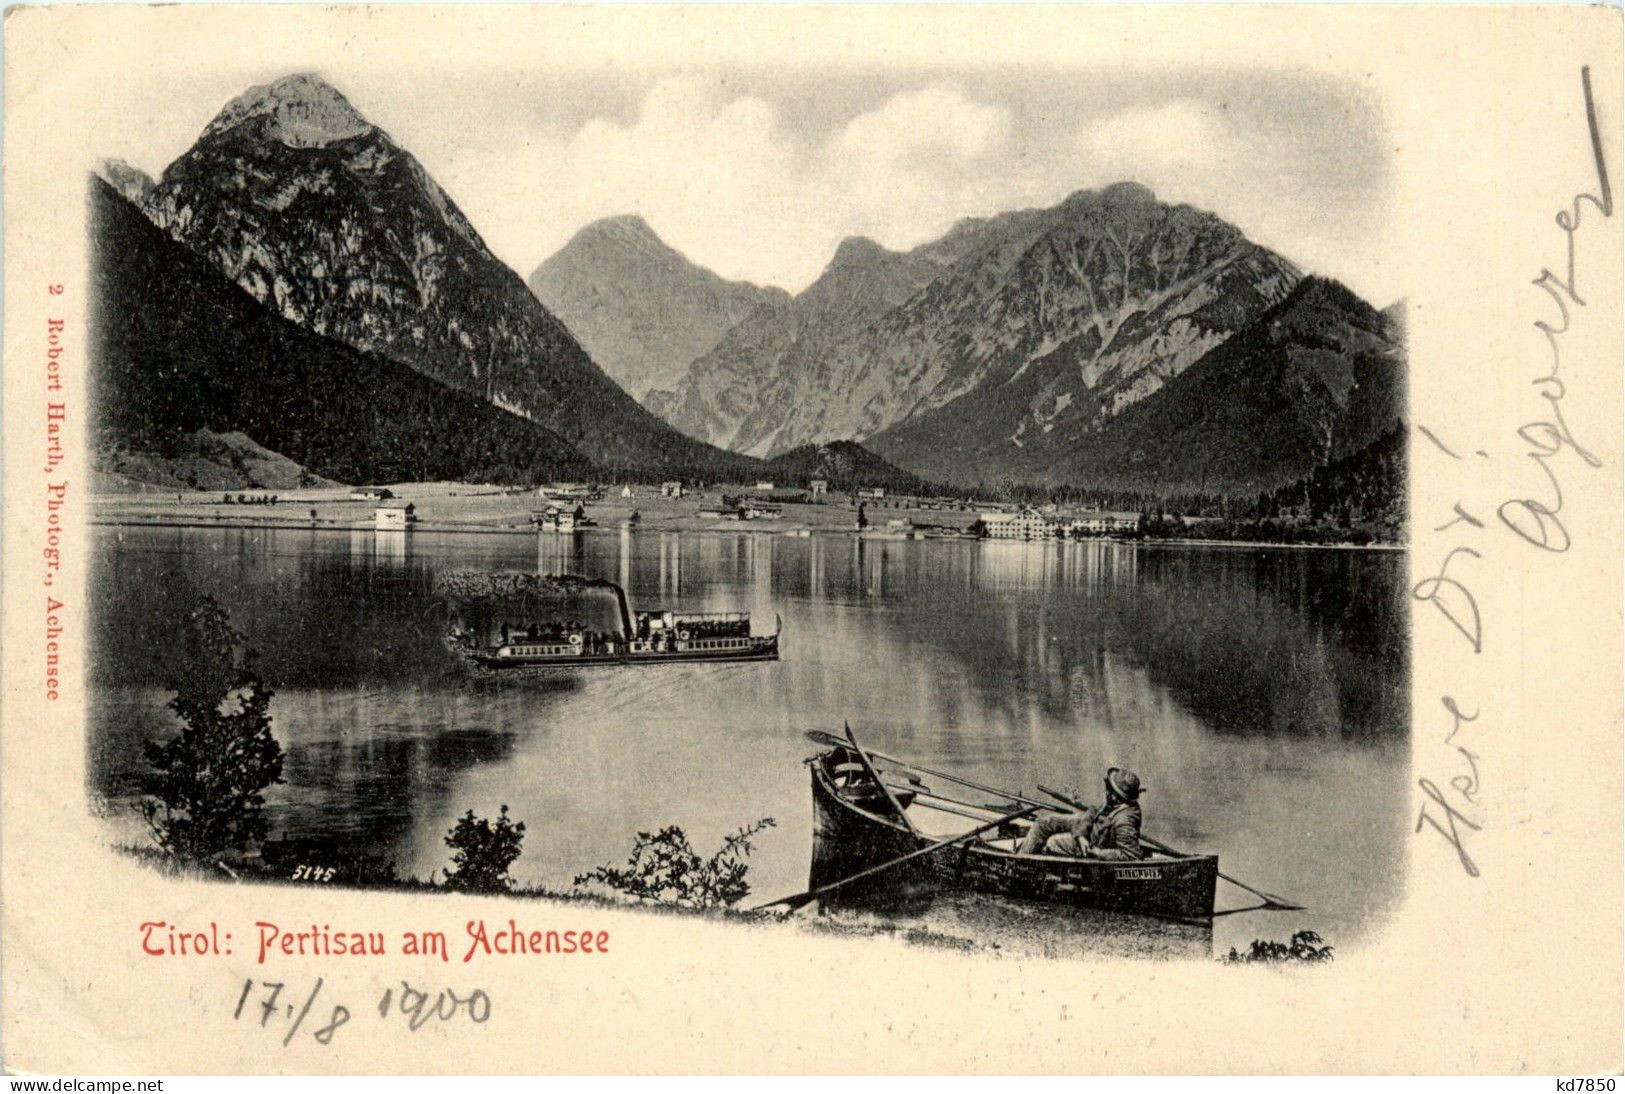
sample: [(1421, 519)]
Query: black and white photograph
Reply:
[(938, 439), (919, 509)]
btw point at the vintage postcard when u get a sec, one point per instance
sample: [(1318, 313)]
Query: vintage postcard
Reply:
[(812, 539)]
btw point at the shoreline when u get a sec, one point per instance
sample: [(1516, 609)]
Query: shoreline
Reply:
[(701, 526)]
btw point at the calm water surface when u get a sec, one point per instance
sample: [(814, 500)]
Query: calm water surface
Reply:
[(1262, 695)]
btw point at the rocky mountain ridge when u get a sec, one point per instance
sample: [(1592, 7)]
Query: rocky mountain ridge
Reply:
[(181, 356), (742, 393), (312, 210), (1313, 381), (1011, 333), (642, 310)]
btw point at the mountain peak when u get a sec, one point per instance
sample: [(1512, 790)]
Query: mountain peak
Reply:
[(132, 182), (639, 306), (1118, 193), (626, 228), (1128, 192), (301, 111), (628, 222), (859, 251)]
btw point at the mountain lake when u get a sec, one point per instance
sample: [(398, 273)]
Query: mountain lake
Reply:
[(1262, 694)]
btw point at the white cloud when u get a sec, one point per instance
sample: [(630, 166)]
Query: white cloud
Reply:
[(724, 180), (1185, 150), (715, 176), (938, 120), (733, 173), (1265, 183), (904, 171)]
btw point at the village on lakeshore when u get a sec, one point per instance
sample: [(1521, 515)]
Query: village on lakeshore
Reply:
[(670, 506)]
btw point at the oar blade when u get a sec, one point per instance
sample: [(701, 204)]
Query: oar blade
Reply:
[(791, 903)]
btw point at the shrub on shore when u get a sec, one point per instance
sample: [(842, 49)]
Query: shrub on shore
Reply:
[(665, 869), (1306, 946), (482, 852), (205, 787)]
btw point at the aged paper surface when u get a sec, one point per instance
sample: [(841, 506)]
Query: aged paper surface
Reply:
[(1464, 864)]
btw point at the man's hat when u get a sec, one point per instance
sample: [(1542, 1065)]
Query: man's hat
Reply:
[(1126, 784)]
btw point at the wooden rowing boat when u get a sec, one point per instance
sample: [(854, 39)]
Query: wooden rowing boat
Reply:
[(856, 825)]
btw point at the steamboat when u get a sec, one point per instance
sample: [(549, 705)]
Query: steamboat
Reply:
[(644, 638)]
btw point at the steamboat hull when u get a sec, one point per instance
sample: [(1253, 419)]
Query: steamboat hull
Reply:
[(766, 649), (852, 835)]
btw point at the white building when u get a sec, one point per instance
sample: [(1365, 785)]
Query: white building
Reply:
[(557, 519), (569, 491), (1026, 524), (395, 516), (1102, 523)]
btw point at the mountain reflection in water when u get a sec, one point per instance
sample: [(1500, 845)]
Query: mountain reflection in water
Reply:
[(1262, 694)]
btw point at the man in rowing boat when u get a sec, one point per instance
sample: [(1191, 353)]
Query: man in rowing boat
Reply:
[(1111, 832)]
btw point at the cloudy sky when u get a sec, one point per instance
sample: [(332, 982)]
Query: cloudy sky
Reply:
[(759, 174)]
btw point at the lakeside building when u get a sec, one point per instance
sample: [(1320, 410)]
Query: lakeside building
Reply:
[(394, 517), (371, 493), (1025, 524), (818, 488), (1102, 523), (936, 530), (671, 489), (556, 519), (749, 509), (872, 493), (778, 497), (569, 491)]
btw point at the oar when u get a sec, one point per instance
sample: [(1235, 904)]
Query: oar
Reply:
[(1274, 903), (875, 775), (829, 740), (801, 899), (926, 800)]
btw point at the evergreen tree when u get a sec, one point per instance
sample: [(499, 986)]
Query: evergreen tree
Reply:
[(206, 785)]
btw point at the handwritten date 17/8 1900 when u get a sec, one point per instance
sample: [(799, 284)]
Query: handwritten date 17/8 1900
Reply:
[(273, 1004)]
